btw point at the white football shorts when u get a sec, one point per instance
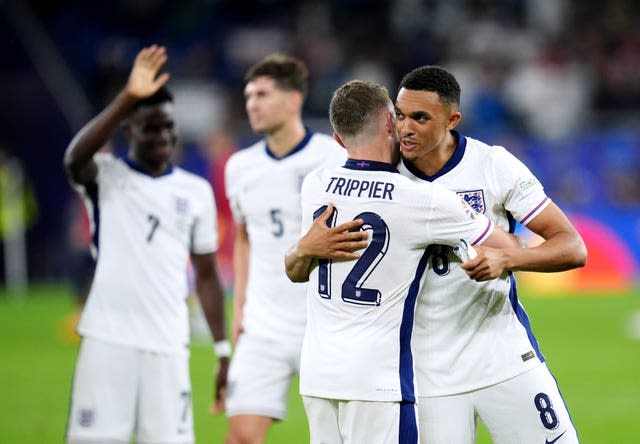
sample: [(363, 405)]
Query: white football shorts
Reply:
[(120, 392), (260, 376), (360, 422), (527, 408)]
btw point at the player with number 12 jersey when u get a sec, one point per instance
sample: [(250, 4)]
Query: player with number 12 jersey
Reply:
[(360, 315)]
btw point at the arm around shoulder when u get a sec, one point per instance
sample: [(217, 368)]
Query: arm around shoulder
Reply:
[(324, 242), (298, 265), (562, 249)]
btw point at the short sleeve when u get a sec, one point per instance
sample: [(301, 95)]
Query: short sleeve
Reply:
[(524, 194), (205, 229), (232, 189)]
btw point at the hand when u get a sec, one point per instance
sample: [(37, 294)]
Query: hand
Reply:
[(142, 79), (487, 265), (337, 243), (220, 391)]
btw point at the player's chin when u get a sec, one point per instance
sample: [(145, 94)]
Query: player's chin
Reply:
[(260, 128), (160, 155), (408, 154)]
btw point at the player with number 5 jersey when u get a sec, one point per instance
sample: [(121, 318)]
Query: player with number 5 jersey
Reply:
[(263, 187), (264, 193)]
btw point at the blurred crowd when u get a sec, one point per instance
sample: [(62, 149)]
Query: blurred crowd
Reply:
[(555, 81), (575, 59)]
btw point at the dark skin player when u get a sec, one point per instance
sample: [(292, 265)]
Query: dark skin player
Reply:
[(145, 110)]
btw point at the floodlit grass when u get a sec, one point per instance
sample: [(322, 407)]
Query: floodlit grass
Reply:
[(585, 341)]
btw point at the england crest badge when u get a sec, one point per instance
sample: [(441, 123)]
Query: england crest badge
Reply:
[(475, 199)]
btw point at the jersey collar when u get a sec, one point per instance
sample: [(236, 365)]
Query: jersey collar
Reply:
[(454, 160), (305, 140), (134, 166), (370, 165)]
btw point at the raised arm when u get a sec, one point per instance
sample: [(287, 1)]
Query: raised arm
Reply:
[(211, 297), (323, 242), (143, 82)]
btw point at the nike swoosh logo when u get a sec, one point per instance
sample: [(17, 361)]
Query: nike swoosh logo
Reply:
[(546, 441)]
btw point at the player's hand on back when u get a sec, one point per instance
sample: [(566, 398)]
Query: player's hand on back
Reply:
[(144, 80), (337, 243), (487, 265)]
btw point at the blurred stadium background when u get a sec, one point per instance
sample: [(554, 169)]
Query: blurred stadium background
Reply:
[(555, 81)]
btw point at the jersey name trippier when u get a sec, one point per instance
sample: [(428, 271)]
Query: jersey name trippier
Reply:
[(360, 313), (470, 335), (264, 194), (144, 228)]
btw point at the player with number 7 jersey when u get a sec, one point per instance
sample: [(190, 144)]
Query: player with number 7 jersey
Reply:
[(157, 220)]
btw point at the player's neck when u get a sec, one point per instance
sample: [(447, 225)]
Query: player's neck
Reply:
[(435, 160), (375, 152), (283, 140), (149, 168)]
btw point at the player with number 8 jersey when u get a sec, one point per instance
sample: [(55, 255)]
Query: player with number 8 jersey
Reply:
[(357, 352), (478, 356)]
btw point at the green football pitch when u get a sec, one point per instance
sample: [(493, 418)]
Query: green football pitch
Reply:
[(590, 343)]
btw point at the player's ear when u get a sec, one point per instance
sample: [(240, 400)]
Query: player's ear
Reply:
[(454, 119), (126, 126), (296, 99), (390, 122), (338, 139)]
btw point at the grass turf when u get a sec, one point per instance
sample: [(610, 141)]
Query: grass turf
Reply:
[(585, 341)]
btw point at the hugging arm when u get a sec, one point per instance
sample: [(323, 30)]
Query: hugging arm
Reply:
[(323, 242)]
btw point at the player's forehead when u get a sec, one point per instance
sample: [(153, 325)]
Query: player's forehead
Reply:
[(156, 113), (412, 100), (260, 84)]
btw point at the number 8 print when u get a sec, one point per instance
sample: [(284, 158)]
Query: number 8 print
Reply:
[(547, 414)]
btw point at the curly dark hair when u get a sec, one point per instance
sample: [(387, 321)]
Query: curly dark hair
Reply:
[(161, 96), (434, 79)]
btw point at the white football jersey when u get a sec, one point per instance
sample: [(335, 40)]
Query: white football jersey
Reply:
[(360, 313), (264, 194), (144, 228), (470, 335)]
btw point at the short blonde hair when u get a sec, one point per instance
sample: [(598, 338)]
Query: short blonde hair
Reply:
[(355, 105)]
